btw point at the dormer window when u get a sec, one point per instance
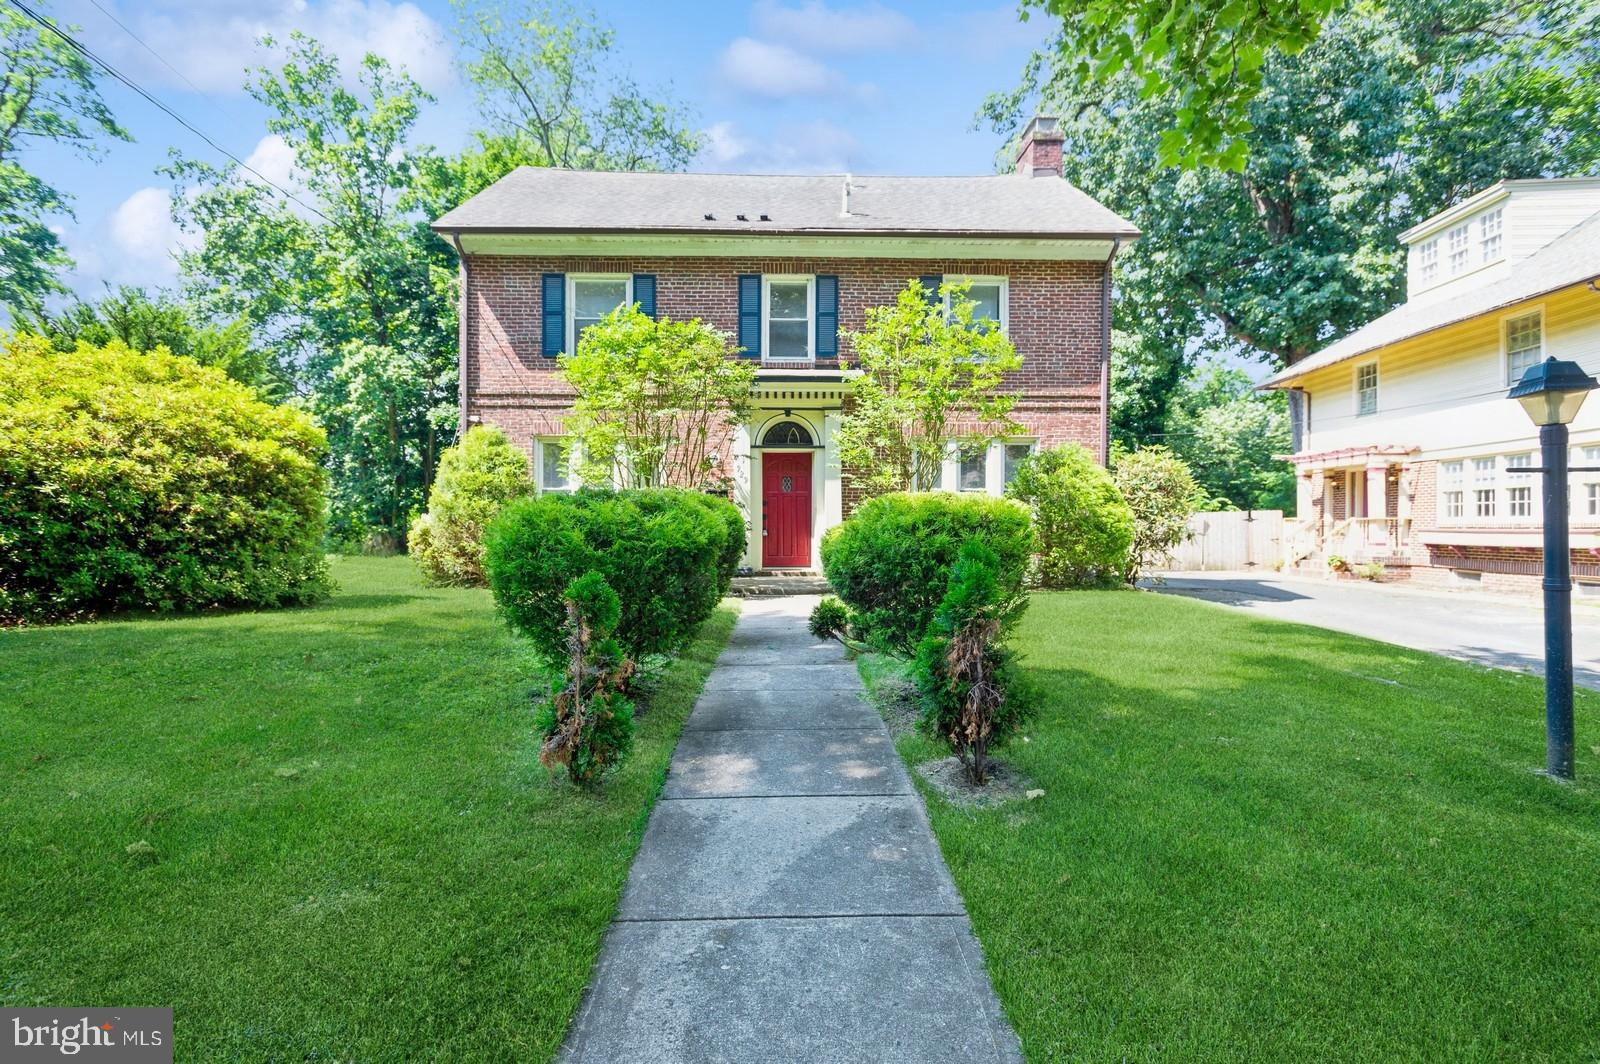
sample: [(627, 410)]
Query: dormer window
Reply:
[(1428, 262), (1459, 251), (1490, 236)]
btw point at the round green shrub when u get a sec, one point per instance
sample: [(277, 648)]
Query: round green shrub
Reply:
[(829, 618), (1083, 528), (664, 551), (890, 561), (476, 478), (141, 480)]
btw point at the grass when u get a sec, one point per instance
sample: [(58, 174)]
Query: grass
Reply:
[(319, 834), (1262, 841)]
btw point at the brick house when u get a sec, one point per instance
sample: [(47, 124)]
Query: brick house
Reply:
[(786, 265), (1409, 452)]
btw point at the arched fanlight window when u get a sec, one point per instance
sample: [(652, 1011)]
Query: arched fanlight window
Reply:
[(787, 434)]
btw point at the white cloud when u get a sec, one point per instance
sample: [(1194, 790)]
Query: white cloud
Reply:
[(775, 70), (808, 147), (814, 26), (134, 243), (209, 45), (273, 159)]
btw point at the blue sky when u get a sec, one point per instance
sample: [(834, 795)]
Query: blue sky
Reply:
[(777, 85)]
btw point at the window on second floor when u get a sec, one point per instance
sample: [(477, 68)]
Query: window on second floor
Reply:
[(1460, 254), (592, 297), (989, 293), (1366, 389), (1524, 344), (1490, 234), (788, 309)]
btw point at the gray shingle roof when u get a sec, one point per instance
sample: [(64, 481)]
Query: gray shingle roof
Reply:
[(1571, 258), (544, 200)]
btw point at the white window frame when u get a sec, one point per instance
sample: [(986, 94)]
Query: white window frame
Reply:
[(982, 455), (573, 280), (539, 445), (1355, 385), (1505, 339), (1458, 244), (1033, 448), (1428, 262), (977, 278), (766, 315), (1492, 227), (1495, 477)]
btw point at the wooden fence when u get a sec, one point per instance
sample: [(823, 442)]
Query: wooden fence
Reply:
[(1230, 539)]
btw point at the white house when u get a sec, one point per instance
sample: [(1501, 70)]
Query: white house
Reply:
[(1409, 447)]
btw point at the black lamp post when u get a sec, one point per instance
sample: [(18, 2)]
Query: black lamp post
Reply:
[(1551, 393)]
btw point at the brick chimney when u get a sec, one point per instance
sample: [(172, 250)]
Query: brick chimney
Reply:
[(1040, 154)]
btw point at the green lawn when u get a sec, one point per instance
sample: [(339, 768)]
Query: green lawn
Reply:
[(1260, 841), (353, 853)]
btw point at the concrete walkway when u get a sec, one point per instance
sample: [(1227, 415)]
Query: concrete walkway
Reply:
[(789, 902)]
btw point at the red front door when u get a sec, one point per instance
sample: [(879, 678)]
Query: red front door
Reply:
[(785, 510)]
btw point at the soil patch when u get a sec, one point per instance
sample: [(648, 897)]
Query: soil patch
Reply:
[(1005, 785)]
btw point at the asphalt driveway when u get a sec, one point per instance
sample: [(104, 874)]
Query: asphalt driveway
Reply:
[(1503, 631)]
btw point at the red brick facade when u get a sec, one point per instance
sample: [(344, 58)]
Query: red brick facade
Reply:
[(1056, 320)]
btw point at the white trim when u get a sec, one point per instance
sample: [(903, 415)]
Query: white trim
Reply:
[(810, 280), (982, 278), (572, 301), (626, 246), (1505, 338), (539, 445), (1377, 387)]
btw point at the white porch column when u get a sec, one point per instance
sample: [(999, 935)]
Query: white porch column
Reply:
[(1377, 488), (1304, 493)]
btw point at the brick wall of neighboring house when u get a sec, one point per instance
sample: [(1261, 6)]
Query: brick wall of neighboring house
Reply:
[(1055, 320)]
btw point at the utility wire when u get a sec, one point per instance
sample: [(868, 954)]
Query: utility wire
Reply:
[(159, 57), (169, 112)]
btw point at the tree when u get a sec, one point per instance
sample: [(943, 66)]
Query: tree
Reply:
[(47, 95), (351, 288), (1207, 56), (1394, 112), (144, 322), (930, 379), (657, 400), (546, 82), (1228, 433), (1163, 495)]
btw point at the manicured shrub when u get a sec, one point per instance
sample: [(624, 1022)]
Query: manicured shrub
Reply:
[(1082, 526), (830, 618), (890, 561), (664, 551), (963, 670), (476, 478), (1163, 495), (134, 480), (586, 723)]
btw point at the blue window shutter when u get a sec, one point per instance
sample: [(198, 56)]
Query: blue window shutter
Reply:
[(932, 281), (827, 316), (750, 314), (644, 293), (554, 315)]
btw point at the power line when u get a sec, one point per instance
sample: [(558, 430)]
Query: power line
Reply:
[(159, 57), (169, 112)]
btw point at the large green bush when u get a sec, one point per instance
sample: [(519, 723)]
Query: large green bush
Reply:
[(890, 561), (1083, 526), (476, 478), (1163, 495), (136, 480), (666, 552)]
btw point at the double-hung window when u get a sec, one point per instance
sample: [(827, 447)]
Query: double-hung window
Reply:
[(592, 297), (1460, 253), (554, 460), (1452, 494), (1366, 389), (1524, 344), (972, 469), (1428, 262), (989, 295), (789, 307), (1491, 234)]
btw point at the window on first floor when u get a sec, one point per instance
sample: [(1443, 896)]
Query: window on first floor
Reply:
[(554, 463), (1483, 502), (1453, 504), (1015, 454), (1519, 502), (972, 472), (1592, 499)]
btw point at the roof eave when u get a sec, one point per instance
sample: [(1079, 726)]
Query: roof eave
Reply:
[(444, 226)]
